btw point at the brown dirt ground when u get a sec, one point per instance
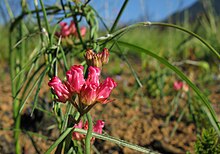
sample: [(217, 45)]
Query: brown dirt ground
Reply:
[(130, 119)]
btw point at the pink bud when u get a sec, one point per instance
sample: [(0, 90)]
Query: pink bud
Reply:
[(185, 87), (105, 56), (60, 89)]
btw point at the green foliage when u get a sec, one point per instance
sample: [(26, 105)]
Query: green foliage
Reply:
[(208, 142), (156, 83)]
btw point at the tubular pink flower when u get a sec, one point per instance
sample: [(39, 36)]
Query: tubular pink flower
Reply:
[(177, 85), (105, 89), (93, 76), (75, 78), (64, 31), (92, 91), (60, 89), (88, 94), (72, 28), (83, 31), (97, 128), (89, 91), (67, 30), (78, 136)]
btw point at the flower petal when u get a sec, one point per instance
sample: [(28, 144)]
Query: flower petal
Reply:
[(60, 89)]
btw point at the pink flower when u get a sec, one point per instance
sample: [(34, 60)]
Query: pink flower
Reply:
[(78, 136), (75, 78), (60, 89), (104, 90), (92, 91), (93, 76), (88, 94), (177, 85), (64, 31), (67, 30), (97, 128), (72, 28), (89, 91), (83, 31)]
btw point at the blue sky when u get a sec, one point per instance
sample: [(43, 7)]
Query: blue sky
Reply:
[(136, 10), (140, 10)]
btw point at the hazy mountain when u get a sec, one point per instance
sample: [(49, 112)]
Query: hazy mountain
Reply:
[(199, 8)]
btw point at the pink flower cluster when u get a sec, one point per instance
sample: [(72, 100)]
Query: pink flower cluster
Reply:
[(67, 30), (178, 85), (97, 128), (89, 90)]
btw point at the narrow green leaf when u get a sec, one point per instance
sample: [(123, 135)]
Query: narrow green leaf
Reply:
[(38, 89), (59, 140), (28, 82), (130, 67), (118, 141), (31, 90)]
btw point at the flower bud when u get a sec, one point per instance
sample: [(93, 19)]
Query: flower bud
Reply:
[(105, 56), (97, 59), (89, 56)]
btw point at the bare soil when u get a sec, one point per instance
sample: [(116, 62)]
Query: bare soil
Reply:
[(129, 118)]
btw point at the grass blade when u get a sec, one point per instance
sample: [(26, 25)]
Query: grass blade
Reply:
[(118, 141)]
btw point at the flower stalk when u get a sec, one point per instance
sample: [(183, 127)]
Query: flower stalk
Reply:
[(88, 134)]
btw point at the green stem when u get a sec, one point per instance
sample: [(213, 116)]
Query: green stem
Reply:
[(52, 9), (59, 140), (77, 27), (89, 133), (17, 134), (62, 136), (118, 17), (45, 18), (38, 19), (11, 15), (16, 116)]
